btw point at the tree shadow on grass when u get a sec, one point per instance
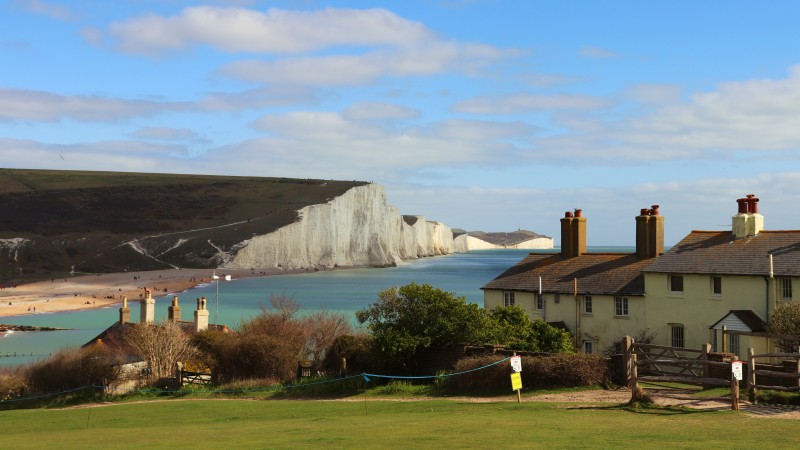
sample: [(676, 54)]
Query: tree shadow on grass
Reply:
[(649, 409)]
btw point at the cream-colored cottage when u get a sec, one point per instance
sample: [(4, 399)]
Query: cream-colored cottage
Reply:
[(711, 284), (599, 297)]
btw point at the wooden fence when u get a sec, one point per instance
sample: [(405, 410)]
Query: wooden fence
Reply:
[(771, 374), (658, 363)]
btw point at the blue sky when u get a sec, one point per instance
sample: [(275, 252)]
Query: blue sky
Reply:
[(486, 115)]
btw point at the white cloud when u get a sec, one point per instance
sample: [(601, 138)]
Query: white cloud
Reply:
[(274, 31), (258, 98), (379, 111), (526, 102), (598, 53), (28, 105), (51, 10), (737, 119), (656, 94), (164, 134), (41, 106), (347, 70)]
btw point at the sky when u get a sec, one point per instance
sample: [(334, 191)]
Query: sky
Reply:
[(483, 114)]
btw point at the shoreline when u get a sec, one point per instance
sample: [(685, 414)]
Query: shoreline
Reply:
[(96, 291)]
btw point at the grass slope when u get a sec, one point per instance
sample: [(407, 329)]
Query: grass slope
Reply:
[(387, 425), (79, 219)]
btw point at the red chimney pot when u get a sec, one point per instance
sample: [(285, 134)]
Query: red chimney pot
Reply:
[(578, 212), (568, 214), (742, 205)]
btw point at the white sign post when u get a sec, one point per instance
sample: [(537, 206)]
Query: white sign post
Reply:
[(736, 377), (516, 363), (516, 377), (736, 369)]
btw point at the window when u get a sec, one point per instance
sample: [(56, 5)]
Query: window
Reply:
[(786, 289), (587, 304), (508, 298), (677, 336), (716, 286), (588, 347), (734, 341), (557, 298), (676, 284), (621, 306), (539, 302)]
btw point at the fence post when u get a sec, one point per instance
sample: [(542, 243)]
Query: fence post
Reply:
[(734, 393), (751, 374), (634, 374), (797, 367), (706, 350), (627, 350)]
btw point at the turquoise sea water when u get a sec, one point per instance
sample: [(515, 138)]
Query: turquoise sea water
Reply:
[(343, 291)]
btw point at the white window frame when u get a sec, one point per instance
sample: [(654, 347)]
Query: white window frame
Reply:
[(588, 347), (539, 302), (587, 304), (621, 306), (508, 298)]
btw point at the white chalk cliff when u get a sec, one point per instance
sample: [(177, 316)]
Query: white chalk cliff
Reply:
[(357, 228)]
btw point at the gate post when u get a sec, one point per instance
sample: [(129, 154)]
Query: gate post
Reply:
[(634, 374), (627, 351), (751, 374)]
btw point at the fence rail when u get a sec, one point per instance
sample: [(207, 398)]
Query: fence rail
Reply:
[(754, 372)]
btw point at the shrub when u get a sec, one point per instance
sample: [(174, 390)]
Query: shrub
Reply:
[(73, 368), (13, 382), (358, 352), (557, 370)]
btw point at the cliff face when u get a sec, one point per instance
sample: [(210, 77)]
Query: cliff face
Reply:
[(357, 228)]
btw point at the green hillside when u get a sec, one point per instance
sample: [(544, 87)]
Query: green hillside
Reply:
[(85, 221)]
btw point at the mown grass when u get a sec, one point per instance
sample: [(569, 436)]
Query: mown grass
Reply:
[(384, 424)]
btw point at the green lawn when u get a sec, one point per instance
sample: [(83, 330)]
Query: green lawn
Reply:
[(386, 425)]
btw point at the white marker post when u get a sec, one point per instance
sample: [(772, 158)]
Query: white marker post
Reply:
[(516, 377), (736, 376)]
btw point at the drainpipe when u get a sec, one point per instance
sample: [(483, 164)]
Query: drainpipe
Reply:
[(768, 281), (577, 312), (544, 305)]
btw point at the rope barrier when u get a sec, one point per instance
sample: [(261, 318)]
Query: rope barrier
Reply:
[(424, 377), (363, 375)]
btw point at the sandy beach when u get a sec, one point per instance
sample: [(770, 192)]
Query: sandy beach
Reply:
[(100, 290)]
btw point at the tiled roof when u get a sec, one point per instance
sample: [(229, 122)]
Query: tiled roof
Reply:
[(718, 252), (597, 273), (113, 336)]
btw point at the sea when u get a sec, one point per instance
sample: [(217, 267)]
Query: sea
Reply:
[(230, 302)]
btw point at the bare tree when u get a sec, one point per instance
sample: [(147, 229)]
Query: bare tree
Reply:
[(161, 346), (322, 328)]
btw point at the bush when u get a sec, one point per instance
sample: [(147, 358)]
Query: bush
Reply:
[(13, 382), (558, 370), (72, 368), (358, 352)]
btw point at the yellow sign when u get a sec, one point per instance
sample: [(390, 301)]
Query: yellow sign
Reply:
[(516, 381)]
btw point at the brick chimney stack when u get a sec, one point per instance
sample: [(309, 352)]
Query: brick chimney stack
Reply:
[(649, 233), (573, 234), (147, 312)]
